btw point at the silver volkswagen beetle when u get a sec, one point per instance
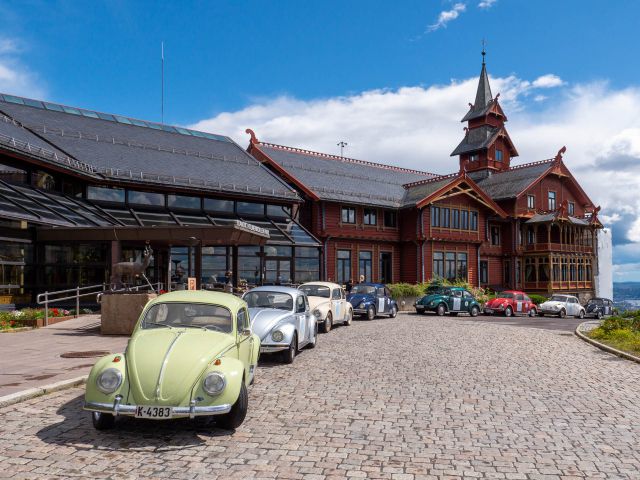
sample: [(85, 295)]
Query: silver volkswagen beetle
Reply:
[(281, 317)]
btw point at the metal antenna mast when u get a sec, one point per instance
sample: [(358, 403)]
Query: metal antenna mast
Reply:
[(342, 144), (162, 87)]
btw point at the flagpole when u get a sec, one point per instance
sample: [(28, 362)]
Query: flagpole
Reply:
[(162, 74)]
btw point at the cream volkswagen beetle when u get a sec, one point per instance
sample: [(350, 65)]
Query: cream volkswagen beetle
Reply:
[(328, 304)]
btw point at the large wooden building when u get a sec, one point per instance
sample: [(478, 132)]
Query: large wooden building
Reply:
[(493, 223), (80, 190)]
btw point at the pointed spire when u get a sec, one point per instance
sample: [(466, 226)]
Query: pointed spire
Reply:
[(483, 95)]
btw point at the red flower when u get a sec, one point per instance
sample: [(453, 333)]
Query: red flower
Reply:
[(12, 323), (55, 312), (161, 292)]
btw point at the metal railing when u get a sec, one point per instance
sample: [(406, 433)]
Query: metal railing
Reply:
[(78, 292)]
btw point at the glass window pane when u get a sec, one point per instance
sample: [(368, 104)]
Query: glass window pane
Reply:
[(146, 198), (278, 211), (218, 206), (53, 107), (181, 201), (250, 208), (102, 194), (150, 219)]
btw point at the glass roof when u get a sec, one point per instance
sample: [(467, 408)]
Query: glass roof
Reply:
[(108, 117)]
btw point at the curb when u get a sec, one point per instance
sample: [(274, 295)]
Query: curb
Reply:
[(17, 330), (30, 393), (602, 346)]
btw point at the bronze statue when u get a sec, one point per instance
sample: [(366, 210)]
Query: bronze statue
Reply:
[(129, 270)]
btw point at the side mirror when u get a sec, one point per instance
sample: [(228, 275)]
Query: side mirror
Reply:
[(245, 332)]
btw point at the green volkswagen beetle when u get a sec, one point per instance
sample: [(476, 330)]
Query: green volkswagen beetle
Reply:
[(453, 300), (192, 354)]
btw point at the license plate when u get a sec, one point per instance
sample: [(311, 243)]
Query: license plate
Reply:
[(488, 310), (145, 411), (419, 307)]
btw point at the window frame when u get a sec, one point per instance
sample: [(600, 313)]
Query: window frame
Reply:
[(370, 216), (531, 202), (552, 199), (348, 211)]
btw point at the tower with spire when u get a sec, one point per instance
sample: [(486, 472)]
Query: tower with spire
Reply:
[(486, 146)]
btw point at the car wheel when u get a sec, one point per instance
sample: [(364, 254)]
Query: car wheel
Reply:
[(563, 313), (441, 310), (314, 340), (371, 313), (102, 421), (533, 312), (599, 315), (394, 312), (581, 314), (233, 419), (289, 355), (474, 311), (349, 319), (508, 312), (326, 325)]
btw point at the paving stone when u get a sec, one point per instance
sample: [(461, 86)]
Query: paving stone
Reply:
[(407, 398)]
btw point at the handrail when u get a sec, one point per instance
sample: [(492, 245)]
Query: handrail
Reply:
[(97, 290), (156, 286)]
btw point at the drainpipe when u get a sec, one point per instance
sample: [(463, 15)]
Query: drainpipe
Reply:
[(478, 262), (325, 249)]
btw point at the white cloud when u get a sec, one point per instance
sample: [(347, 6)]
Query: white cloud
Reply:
[(15, 77), (418, 127), (547, 81), (486, 3), (447, 16)]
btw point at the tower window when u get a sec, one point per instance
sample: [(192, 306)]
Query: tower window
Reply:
[(473, 157), (531, 201), (498, 155), (552, 200)]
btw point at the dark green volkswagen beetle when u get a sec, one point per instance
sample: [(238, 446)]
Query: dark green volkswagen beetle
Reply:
[(453, 300)]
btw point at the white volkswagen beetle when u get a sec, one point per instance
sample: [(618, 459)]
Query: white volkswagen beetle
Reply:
[(562, 305), (328, 303)]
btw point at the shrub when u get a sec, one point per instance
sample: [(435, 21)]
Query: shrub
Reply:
[(537, 299), (405, 290)]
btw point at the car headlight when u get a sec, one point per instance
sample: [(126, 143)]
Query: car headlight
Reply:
[(317, 313), (109, 380), (277, 336), (361, 305), (214, 383)]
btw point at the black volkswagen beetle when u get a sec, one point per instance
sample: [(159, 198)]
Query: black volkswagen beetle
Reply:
[(598, 307)]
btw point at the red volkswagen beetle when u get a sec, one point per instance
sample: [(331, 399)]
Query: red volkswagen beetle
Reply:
[(511, 302)]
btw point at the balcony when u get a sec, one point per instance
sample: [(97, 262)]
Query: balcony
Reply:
[(558, 247)]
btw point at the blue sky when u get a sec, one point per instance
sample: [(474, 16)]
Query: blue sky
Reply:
[(390, 78)]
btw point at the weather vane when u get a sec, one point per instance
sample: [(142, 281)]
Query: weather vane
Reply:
[(484, 43), (342, 144)]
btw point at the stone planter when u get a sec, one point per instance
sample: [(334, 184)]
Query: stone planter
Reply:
[(120, 312), (39, 322)]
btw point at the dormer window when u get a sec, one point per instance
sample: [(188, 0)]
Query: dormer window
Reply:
[(498, 155)]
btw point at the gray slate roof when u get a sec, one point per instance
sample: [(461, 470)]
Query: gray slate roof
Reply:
[(484, 99), (343, 179), (476, 139), (548, 217), (145, 154), (418, 192), (504, 185)]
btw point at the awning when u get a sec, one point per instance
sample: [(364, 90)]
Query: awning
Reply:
[(237, 233)]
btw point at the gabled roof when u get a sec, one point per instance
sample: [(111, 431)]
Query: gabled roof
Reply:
[(335, 178), (134, 151), (425, 192), (511, 183), (477, 139)]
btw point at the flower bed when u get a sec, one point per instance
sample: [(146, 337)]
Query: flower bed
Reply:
[(34, 317), (620, 332)]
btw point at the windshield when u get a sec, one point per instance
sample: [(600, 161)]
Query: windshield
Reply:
[(434, 290), (596, 301), (189, 315), (267, 299), (558, 298), (364, 289), (505, 295), (316, 291)]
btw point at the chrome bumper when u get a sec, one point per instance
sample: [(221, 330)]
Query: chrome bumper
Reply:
[(549, 312), (273, 347), (191, 411)]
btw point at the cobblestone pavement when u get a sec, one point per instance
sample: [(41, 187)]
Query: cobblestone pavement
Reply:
[(410, 398)]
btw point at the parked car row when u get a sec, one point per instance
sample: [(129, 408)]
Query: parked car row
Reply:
[(454, 300), (194, 353)]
